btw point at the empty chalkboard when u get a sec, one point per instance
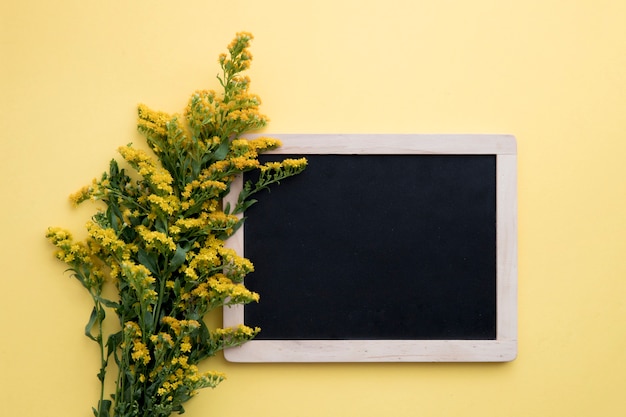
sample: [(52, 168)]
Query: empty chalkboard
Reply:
[(387, 248)]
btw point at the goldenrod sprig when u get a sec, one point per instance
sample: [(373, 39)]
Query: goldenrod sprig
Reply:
[(160, 243), (270, 173)]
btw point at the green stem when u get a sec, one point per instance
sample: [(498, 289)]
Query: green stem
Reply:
[(123, 365), (103, 359), (157, 308), (263, 183)]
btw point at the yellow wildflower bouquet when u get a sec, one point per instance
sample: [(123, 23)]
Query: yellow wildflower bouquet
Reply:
[(159, 240)]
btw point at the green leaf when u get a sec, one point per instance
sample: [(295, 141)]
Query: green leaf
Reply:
[(113, 168), (160, 225), (92, 320), (149, 260), (113, 342), (102, 374), (246, 205), (114, 215), (237, 225), (148, 320), (178, 259), (222, 151), (108, 303), (105, 407)]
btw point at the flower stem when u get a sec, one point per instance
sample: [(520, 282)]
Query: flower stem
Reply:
[(100, 313)]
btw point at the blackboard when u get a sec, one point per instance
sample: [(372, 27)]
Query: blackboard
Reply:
[(387, 248)]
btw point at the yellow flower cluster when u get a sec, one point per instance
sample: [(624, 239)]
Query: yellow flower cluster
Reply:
[(263, 144), (240, 37), (151, 121), (236, 267), (246, 115), (187, 377), (210, 188), (203, 262), (238, 332), (167, 205), (178, 325), (287, 164), (108, 240), (187, 224), (69, 251), (132, 329), (290, 163), (161, 338), (243, 163), (240, 56), (217, 290), (222, 287), (202, 110), (219, 220), (160, 179), (219, 169), (140, 352), (79, 256), (141, 281), (154, 239), (81, 195)]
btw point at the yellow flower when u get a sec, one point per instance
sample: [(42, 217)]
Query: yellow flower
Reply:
[(185, 346), (186, 224), (155, 239), (107, 239), (173, 323), (81, 195), (247, 331), (242, 163), (132, 329), (190, 273), (191, 324), (159, 178), (271, 165), (294, 163), (264, 143), (140, 352), (201, 291), (150, 296), (168, 205), (70, 252), (152, 122), (240, 38)]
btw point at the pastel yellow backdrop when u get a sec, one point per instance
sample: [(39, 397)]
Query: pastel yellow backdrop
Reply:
[(551, 72)]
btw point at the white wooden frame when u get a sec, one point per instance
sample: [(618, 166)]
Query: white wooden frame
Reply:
[(502, 349)]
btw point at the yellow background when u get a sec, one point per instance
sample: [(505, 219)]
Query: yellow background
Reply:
[(550, 72)]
